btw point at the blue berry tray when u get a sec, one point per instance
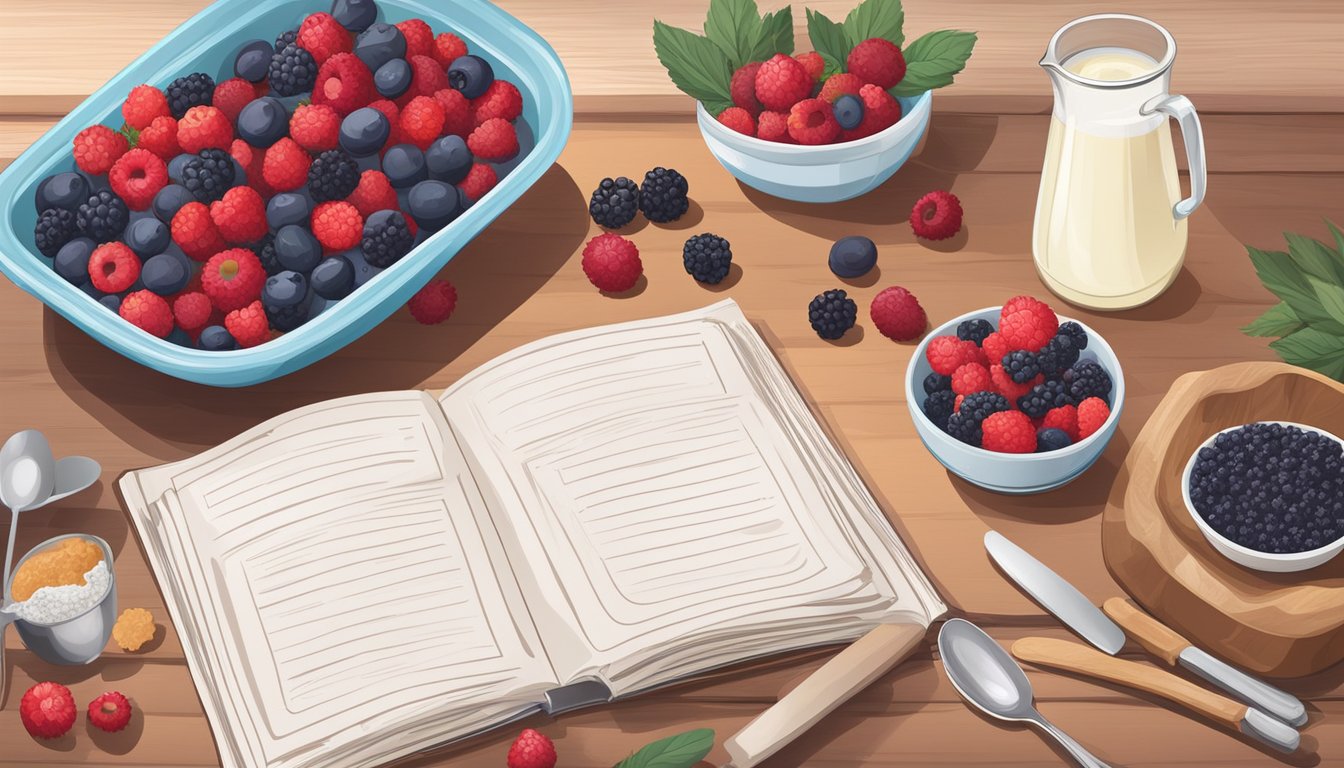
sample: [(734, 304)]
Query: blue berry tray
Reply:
[(208, 42)]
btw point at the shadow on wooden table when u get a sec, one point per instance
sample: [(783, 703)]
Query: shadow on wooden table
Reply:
[(169, 418)]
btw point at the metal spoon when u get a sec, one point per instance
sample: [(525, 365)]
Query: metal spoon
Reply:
[(988, 678)]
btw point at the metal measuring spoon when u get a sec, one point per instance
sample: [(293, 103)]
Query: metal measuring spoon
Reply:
[(988, 678)]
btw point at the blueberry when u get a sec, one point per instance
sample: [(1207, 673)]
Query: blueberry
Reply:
[(216, 339), (165, 274), (62, 190), (179, 164), (404, 165), (72, 260), (848, 111), (364, 132), (284, 289), (88, 288), (288, 208), (434, 204), (112, 301), (179, 337), (169, 201), (147, 237), (354, 15), (296, 249), (393, 78), (1051, 439), (379, 44), (853, 256), (448, 159), (263, 122), (364, 271), (334, 278), (254, 60), (471, 75)]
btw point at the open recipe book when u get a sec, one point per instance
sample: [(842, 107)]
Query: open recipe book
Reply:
[(589, 516)]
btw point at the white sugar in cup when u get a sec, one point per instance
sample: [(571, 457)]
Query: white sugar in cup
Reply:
[(69, 625)]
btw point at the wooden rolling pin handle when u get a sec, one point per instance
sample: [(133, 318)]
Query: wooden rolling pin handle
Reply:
[(1153, 635)]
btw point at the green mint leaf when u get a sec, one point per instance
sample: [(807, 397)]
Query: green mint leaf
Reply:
[(1331, 296), (776, 35), (1279, 320), (1339, 238), (829, 39), (1280, 276), (131, 134), (1315, 258), (715, 107), (681, 751), (697, 66), (734, 26), (933, 59), (876, 18), (1315, 349)]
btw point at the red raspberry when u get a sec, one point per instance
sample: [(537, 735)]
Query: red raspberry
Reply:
[(316, 127), (1008, 432), (812, 122), (897, 314), (1064, 417), (937, 216), (738, 119), (248, 325), (971, 378), (47, 710), (531, 750), (374, 193), (839, 84), (240, 215), (337, 225), (434, 303), (956, 404), (97, 148), (782, 82), (113, 267), (233, 278), (501, 99), (480, 179), (204, 128), (322, 36), (344, 83), (1029, 327), (160, 137), (1004, 384), (773, 126), (1026, 301), (195, 233), (877, 61), (427, 77), (419, 37), (447, 48), (392, 112), (458, 119), (250, 159), (1092, 414), (742, 88), (231, 96), (137, 176), (110, 712), (495, 139), (192, 310), (995, 347), (285, 166), (149, 312), (948, 353), (422, 121), (813, 63), (881, 110), (142, 105), (612, 263)]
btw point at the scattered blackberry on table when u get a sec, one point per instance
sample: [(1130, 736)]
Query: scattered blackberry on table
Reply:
[(938, 406), (974, 330), (387, 238), (707, 257), (189, 91), (332, 176), (935, 382), (103, 216), (293, 71), (209, 175), (1021, 366), (1059, 354), (1051, 439), (1088, 379), (1075, 332), (614, 203), (662, 196), (1045, 396), (832, 313), (55, 227), (62, 190)]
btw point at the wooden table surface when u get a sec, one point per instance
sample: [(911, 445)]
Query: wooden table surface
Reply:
[(1270, 82)]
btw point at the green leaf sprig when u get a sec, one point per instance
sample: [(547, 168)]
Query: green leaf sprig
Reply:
[(1309, 319), (931, 61), (680, 751)]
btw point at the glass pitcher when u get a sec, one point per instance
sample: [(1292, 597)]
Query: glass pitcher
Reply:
[(1110, 227)]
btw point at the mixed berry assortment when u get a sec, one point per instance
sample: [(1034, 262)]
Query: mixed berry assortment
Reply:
[(1018, 388), (223, 213)]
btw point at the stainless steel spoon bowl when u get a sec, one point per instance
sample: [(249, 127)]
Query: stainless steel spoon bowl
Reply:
[(988, 678)]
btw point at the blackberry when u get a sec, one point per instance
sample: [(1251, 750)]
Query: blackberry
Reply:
[(287, 318), (832, 313), (1059, 354), (662, 196), (974, 330), (1075, 332), (707, 258), (935, 382), (293, 71), (387, 238), (1021, 366), (1088, 379), (965, 429), (208, 175), (614, 203), (287, 37), (978, 406), (332, 176), (103, 216), (189, 91), (55, 227), (1051, 439), (938, 407), (265, 250), (1044, 396)]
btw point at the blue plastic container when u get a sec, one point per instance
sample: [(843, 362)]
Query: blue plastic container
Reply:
[(208, 43)]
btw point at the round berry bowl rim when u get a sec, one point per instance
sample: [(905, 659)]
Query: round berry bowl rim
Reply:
[(1271, 562)]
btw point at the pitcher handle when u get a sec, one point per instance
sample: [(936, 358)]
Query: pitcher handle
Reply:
[(1183, 111)]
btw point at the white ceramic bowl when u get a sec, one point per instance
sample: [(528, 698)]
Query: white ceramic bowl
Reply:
[(1014, 473), (1261, 561), (824, 174)]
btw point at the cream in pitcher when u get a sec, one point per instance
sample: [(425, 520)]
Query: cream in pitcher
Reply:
[(1110, 227)]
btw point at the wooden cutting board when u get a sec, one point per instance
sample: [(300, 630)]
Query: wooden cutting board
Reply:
[(1289, 624)]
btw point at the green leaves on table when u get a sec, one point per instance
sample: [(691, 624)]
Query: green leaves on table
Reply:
[(697, 66), (1309, 319), (932, 60), (680, 751), (702, 66)]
